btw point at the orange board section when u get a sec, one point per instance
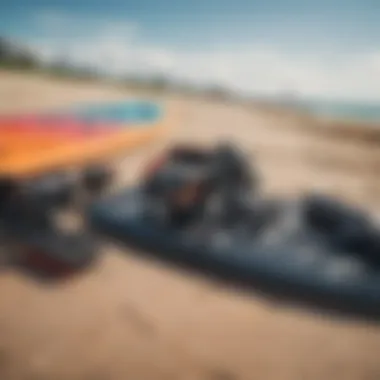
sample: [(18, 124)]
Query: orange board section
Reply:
[(34, 145)]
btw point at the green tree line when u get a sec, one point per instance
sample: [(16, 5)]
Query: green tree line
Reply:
[(14, 56)]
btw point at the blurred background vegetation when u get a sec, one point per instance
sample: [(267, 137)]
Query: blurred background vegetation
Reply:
[(15, 56)]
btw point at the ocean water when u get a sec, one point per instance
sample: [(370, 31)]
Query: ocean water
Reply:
[(339, 110)]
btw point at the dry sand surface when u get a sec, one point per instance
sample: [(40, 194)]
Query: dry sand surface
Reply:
[(130, 319)]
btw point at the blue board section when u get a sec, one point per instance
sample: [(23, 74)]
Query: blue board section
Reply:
[(135, 112), (298, 267)]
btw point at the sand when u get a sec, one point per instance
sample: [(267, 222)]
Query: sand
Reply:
[(130, 318)]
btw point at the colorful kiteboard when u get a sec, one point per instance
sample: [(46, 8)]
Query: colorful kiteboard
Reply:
[(37, 143)]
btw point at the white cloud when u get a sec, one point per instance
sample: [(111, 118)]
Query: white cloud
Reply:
[(115, 47)]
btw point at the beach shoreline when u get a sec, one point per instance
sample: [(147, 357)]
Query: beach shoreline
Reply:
[(132, 318)]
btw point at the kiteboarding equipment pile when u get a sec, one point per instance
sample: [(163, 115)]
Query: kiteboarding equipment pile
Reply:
[(315, 250)]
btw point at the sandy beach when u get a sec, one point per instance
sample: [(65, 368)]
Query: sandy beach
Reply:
[(129, 318)]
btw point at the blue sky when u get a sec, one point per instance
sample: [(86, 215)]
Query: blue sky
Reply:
[(318, 48)]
